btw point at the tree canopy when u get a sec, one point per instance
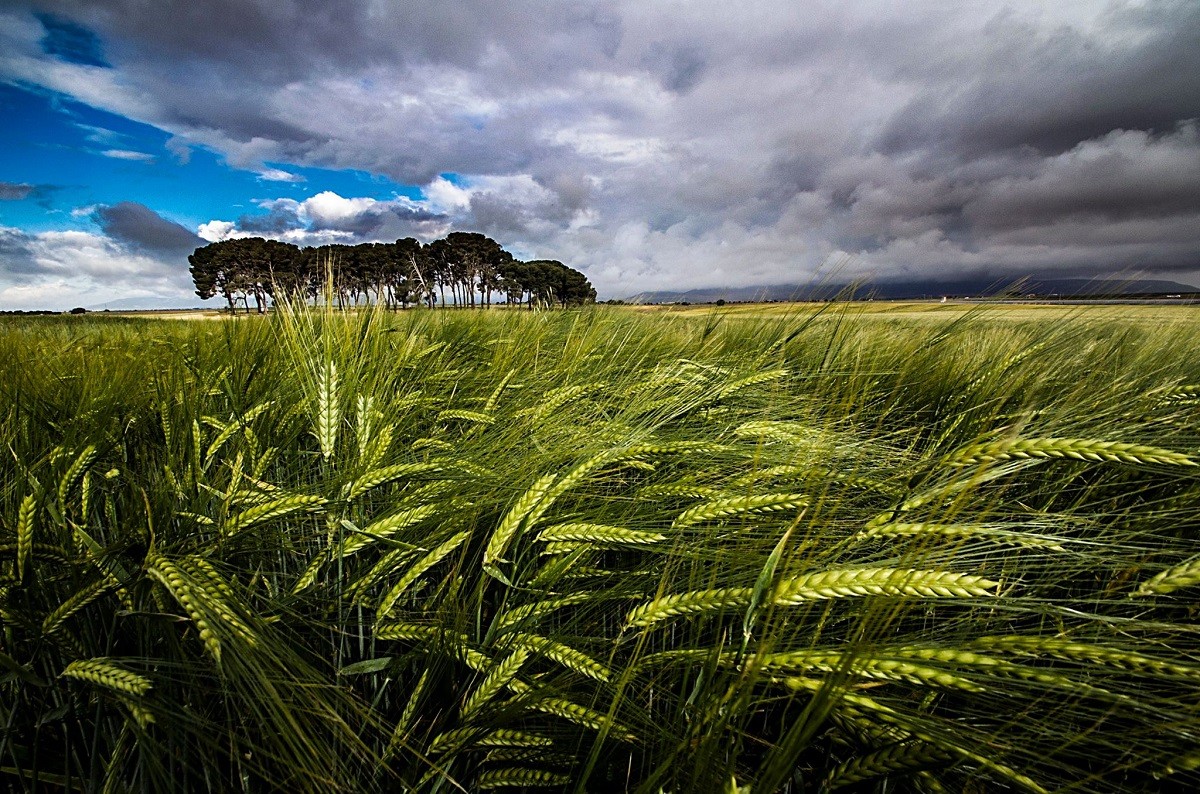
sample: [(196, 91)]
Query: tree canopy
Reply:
[(471, 267)]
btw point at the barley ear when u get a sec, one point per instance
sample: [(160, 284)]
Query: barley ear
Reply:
[(26, 518), (514, 520), (420, 567), (74, 473), (328, 409), (102, 672), (1186, 574)]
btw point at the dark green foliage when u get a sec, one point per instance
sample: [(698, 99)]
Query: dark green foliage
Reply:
[(471, 265)]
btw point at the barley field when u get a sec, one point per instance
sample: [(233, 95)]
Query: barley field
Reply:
[(804, 550)]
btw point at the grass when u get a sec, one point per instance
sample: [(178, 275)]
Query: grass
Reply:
[(601, 550)]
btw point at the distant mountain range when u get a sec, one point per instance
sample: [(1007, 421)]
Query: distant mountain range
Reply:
[(911, 290)]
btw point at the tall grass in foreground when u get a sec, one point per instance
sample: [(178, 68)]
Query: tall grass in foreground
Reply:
[(593, 551)]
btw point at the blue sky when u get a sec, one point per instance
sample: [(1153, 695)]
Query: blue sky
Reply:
[(80, 156), (649, 144)]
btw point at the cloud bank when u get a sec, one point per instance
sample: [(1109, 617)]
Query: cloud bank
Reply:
[(658, 145), (60, 270)]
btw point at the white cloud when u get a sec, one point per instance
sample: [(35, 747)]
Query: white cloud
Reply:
[(278, 175), (125, 154), (215, 231), (65, 269), (443, 195), (329, 207)]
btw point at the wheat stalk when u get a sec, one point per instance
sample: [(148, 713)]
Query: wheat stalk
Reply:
[(452, 739), (26, 519), (998, 668), (990, 532), (687, 490), (357, 590), (900, 757), (74, 472), (519, 777), (1185, 574), (384, 528), (508, 737), (365, 414), (555, 548), (80, 599), (275, 508), (534, 504), (465, 415), (228, 429), (582, 715), (738, 505), (775, 430), (855, 703), (787, 471), (599, 534), (840, 583), (375, 447), (751, 380), (377, 477), (947, 491), (565, 655), (432, 443), (489, 405), (201, 609), (536, 755), (419, 567), (863, 665), (328, 409), (553, 400), (103, 672), (516, 518), (537, 609), (38, 551), (412, 632), (670, 606), (495, 681), (1185, 393), (1074, 448), (404, 724), (1072, 650)]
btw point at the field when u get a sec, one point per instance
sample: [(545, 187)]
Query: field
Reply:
[(850, 546)]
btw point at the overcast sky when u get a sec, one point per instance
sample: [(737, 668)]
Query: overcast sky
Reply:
[(650, 144)]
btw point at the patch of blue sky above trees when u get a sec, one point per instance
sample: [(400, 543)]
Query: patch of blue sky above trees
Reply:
[(650, 145)]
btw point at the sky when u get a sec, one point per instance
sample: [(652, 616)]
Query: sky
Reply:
[(652, 145)]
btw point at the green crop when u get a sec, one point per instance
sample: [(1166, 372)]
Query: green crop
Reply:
[(597, 550)]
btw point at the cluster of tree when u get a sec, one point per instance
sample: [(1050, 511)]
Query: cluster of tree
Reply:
[(471, 267)]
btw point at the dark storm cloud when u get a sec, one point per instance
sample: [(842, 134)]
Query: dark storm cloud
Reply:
[(142, 228), (17, 260), (678, 67), (283, 41), (14, 191), (372, 220), (1050, 90), (328, 217), (18, 191), (70, 42), (687, 144), (277, 220)]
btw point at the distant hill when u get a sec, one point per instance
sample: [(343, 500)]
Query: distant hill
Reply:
[(973, 288), (154, 304)]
